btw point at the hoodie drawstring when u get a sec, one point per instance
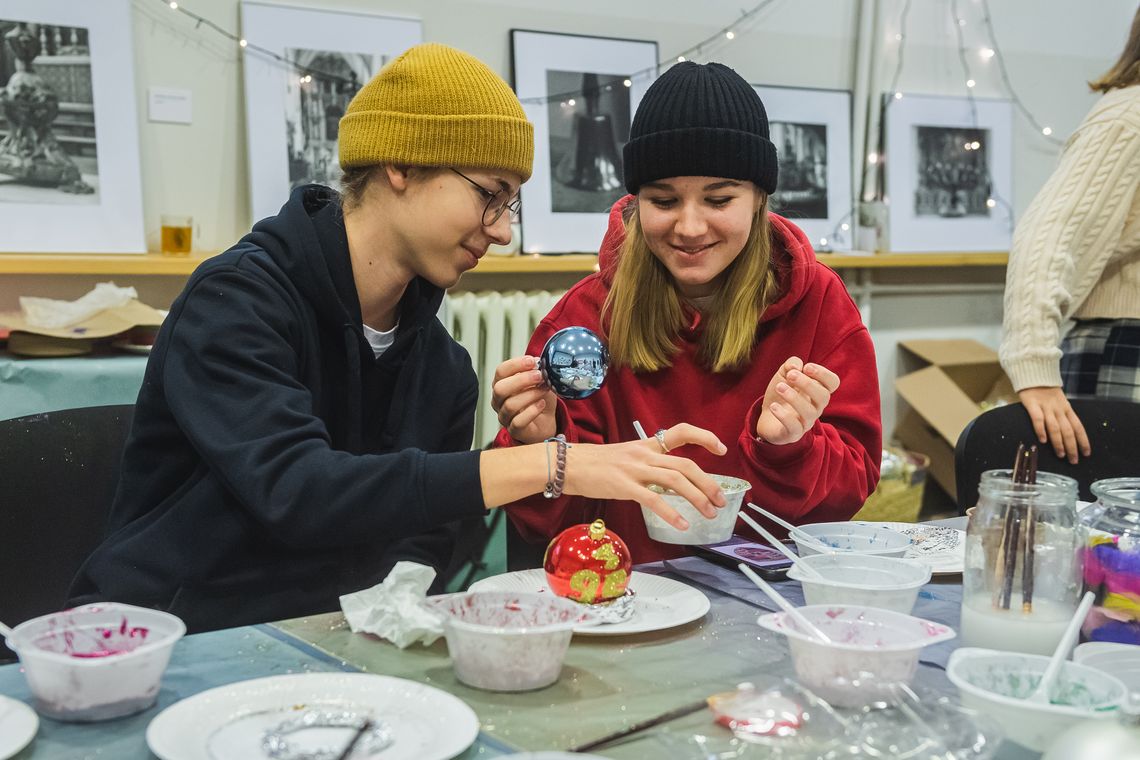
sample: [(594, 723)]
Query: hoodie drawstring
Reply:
[(355, 389)]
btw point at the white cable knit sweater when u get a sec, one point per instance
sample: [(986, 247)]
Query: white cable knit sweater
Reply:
[(1076, 252)]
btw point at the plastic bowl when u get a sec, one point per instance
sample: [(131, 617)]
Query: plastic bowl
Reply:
[(96, 662), (871, 650), (997, 683), (852, 538), (1122, 661), (1097, 649), (887, 583), (503, 641), (702, 530)]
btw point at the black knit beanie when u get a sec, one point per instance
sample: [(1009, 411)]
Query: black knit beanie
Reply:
[(700, 120)]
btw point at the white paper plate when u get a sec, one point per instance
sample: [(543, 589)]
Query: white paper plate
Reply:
[(426, 723), (660, 602), (941, 547), (133, 348), (18, 726)]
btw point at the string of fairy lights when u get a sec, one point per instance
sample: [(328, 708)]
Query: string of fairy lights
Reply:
[(702, 49), (990, 53)]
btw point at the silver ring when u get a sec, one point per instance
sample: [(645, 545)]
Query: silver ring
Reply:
[(660, 436)]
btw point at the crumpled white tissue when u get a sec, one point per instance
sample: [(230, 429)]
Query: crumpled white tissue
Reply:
[(49, 313), (392, 608)]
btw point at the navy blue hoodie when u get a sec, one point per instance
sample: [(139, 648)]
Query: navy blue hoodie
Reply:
[(274, 463)]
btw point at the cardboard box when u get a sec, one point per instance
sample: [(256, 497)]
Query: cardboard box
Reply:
[(945, 384)]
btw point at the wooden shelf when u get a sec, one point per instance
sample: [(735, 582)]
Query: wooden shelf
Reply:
[(586, 263), (567, 263), (861, 260), (572, 263), (99, 263)]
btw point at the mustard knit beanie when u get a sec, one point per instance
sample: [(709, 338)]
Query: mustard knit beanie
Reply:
[(437, 106)]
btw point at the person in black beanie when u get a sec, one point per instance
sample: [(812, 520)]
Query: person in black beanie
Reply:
[(715, 310)]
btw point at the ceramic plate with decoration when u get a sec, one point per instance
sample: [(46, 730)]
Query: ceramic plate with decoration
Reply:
[(941, 547)]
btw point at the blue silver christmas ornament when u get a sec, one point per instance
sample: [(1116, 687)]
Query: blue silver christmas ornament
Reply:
[(574, 362)]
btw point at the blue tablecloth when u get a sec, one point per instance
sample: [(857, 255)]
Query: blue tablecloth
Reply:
[(32, 386), (199, 662)]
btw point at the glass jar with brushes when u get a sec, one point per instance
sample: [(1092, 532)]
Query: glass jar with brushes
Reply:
[(1022, 578), (1112, 561)]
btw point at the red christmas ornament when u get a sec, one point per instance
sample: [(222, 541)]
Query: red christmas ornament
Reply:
[(588, 564)]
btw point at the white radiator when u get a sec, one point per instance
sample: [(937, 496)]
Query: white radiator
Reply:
[(493, 326)]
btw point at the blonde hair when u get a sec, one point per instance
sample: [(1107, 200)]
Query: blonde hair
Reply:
[(1126, 71), (643, 313)]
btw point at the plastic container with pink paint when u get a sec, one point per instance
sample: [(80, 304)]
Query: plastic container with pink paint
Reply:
[(96, 662), (503, 641), (872, 651)]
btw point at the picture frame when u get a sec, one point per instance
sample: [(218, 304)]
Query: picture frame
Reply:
[(72, 184), (811, 129), (949, 173), (292, 118), (578, 138)]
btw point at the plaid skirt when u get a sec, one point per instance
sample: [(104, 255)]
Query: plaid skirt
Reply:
[(1101, 357)]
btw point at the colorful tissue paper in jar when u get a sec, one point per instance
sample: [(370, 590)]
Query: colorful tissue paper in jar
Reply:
[(588, 563), (1112, 572)]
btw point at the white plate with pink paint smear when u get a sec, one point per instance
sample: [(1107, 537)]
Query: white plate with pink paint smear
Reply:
[(658, 603), (18, 726)]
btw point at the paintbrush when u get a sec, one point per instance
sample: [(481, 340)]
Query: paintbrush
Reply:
[(646, 724)]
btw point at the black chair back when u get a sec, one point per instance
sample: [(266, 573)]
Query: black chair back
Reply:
[(58, 473), (990, 442)]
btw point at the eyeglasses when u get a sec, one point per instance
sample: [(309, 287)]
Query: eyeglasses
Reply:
[(497, 202)]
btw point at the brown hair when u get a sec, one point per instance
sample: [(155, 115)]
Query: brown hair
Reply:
[(354, 181), (643, 313), (1126, 71)]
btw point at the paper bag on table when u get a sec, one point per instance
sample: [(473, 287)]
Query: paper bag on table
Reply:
[(43, 328)]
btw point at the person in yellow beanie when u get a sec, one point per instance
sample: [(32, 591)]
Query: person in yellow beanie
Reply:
[(305, 420)]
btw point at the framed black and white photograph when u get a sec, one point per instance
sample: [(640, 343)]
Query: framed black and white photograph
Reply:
[(69, 142), (580, 93), (314, 104), (293, 109), (811, 130), (949, 174)]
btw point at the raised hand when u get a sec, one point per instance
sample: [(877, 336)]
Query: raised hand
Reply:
[(794, 400)]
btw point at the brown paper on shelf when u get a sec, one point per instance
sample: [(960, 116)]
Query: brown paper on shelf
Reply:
[(80, 337)]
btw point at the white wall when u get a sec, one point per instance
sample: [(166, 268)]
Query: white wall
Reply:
[(1051, 48)]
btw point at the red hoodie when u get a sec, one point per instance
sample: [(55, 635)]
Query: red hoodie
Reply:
[(826, 475)]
